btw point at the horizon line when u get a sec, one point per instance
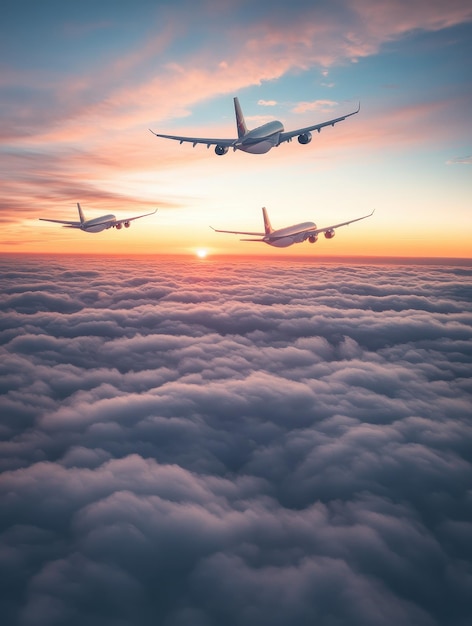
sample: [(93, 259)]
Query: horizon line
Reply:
[(384, 259)]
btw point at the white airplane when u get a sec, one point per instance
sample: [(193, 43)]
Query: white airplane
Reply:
[(284, 237), (260, 139), (97, 224)]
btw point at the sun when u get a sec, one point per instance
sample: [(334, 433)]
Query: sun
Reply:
[(201, 253)]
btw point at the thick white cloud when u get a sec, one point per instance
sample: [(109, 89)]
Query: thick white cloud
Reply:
[(224, 443)]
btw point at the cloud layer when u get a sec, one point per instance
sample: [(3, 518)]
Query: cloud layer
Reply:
[(203, 442)]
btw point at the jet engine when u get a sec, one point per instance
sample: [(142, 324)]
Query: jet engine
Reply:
[(305, 138), (313, 238), (118, 226), (220, 150), (127, 224), (329, 234)]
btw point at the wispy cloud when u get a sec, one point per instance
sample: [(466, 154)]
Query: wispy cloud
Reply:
[(316, 105), (466, 160)]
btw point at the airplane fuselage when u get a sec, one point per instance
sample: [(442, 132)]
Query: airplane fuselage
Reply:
[(261, 139), (258, 140), (98, 224), (285, 237)]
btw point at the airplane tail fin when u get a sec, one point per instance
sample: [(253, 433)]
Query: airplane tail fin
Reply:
[(267, 225), (81, 213), (240, 123)]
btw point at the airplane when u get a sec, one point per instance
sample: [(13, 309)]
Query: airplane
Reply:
[(97, 224), (284, 237), (259, 140)]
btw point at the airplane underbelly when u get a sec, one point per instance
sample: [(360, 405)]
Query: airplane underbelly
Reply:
[(258, 148), (96, 229), (254, 146), (282, 243)]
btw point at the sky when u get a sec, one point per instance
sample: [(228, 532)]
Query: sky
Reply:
[(207, 442), (81, 84)]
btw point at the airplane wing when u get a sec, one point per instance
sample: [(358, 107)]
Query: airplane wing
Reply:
[(227, 143), (64, 222), (130, 219), (238, 232), (317, 231), (287, 136)]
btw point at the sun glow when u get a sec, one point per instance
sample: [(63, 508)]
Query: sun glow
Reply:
[(201, 253)]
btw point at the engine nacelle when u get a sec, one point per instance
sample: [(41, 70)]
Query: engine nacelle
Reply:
[(127, 224), (329, 234), (220, 150), (305, 138), (313, 238), (118, 226)]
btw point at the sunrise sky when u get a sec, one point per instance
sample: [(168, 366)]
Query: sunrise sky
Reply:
[(81, 84)]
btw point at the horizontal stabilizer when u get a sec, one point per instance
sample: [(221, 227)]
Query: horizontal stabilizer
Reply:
[(70, 224), (237, 232)]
